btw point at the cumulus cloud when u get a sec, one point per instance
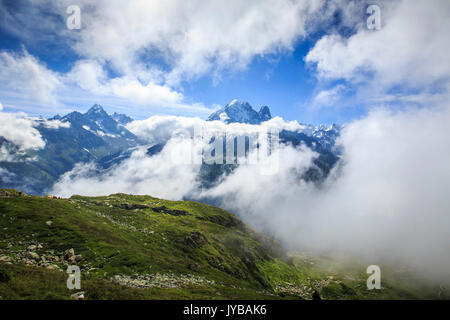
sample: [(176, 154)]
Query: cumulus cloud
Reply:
[(150, 93), (91, 76), (329, 97), (18, 134), (404, 53), (51, 124), (19, 129), (159, 129), (24, 75)]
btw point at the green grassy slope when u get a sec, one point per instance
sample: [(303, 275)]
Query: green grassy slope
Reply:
[(140, 247)]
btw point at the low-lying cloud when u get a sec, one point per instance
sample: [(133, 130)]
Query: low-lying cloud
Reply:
[(19, 133), (20, 130)]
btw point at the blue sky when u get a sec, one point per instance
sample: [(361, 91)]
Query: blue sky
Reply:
[(306, 60)]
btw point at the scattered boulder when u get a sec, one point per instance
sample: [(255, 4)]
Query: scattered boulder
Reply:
[(69, 255), (52, 267), (49, 223), (5, 258), (33, 256), (32, 247), (165, 281)]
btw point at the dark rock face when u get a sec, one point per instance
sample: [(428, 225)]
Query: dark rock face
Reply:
[(165, 210), (133, 206), (195, 239), (157, 148), (227, 222)]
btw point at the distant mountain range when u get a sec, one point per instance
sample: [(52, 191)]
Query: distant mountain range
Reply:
[(96, 136)]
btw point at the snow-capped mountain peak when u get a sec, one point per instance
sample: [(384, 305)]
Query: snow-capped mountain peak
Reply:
[(241, 112), (96, 109)]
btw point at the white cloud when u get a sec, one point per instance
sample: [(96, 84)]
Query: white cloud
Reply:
[(23, 75), (158, 129), (157, 175), (18, 129), (51, 124), (410, 49), (150, 93), (327, 98), (90, 76)]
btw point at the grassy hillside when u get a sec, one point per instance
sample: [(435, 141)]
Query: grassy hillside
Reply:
[(140, 247)]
